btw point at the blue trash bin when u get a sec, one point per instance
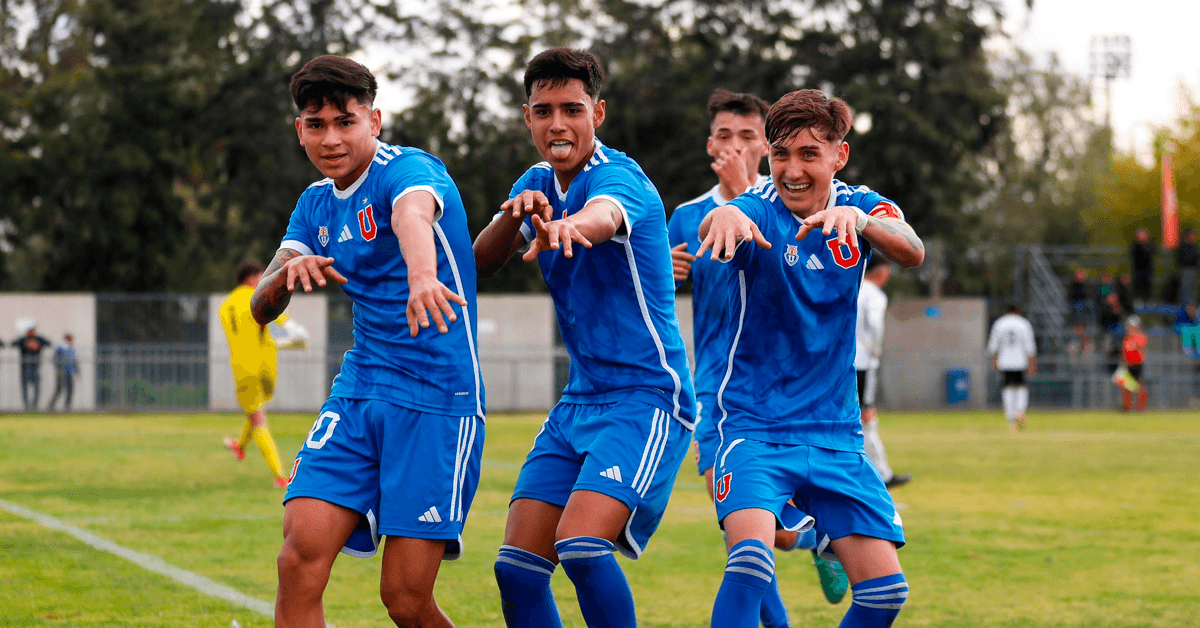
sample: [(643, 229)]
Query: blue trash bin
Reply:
[(958, 386)]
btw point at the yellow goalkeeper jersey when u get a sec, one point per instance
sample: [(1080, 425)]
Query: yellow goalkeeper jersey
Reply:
[(251, 349)]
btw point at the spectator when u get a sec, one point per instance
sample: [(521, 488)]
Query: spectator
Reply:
[(1110, 327), (1141, 254), (1186, 258), (30, 345), (65, 368), (1103, 287), (1081, 302), (1125, 293)]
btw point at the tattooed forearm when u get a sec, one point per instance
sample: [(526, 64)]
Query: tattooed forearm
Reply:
[(903, 247), (271, 297)]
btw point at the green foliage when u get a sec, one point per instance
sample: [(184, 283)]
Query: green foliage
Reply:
[(1084, 519)]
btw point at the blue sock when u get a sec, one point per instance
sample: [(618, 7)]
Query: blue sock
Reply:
[(525, 594), (877, 602), (773, 613), (749, 572), (604, 596)]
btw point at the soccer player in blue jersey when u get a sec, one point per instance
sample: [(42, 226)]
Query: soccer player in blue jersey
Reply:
[(396, 449), (787, 409), (602, 466), (737, 143)]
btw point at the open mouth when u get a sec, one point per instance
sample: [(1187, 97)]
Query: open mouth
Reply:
[(560, 149), (797, 187)]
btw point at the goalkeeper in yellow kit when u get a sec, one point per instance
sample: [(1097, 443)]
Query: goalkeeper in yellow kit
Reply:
[(252, 356)]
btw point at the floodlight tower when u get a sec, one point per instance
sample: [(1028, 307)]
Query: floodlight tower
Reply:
[(1110, 60)]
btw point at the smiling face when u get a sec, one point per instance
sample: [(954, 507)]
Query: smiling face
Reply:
[(744, 135), (802, 168), (563, 120), (340, 143)]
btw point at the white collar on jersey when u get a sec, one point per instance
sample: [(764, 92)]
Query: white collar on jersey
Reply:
[(348, 192)]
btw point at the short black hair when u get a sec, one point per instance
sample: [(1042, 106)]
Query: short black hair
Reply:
[(877, 260), (248, 269), (742, 104), (1013, 308), (335, 80), (556, 66)]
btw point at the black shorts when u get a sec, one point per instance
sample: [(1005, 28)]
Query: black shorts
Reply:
[(868, 381), (1012, 378), (1136, 371)]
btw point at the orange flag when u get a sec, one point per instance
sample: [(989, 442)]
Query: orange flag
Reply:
[(1170, 214)]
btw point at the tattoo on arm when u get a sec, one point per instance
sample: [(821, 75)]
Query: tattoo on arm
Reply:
[(902, 229), (271, 297)]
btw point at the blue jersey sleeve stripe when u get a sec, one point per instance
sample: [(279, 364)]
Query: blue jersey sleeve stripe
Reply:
[(297, 246), (658, 344), (437, 198), (625, 222), (466, 314)]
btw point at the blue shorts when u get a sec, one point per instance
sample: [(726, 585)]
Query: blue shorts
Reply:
[(841, 489), (707, 438), (628, 450), (409, 473)]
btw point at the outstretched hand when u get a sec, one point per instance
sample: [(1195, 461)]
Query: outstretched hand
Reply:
[(307, 270), (427, 296), (553, 234), (528, 203), (728, 228), (842, 218)]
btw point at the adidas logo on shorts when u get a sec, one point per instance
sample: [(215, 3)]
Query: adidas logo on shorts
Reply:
[(612, 473), (431, 516)]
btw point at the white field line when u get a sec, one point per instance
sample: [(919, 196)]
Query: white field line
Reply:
[(147, 561)]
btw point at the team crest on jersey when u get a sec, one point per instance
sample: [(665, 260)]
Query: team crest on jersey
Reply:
[(791, 256), (721, 489), (366, 223), (323, 235), (846, 255)]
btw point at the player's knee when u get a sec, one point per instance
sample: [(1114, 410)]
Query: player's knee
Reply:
[(518, 571), (406, 606)]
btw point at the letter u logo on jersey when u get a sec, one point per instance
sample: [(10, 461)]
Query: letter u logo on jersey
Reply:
[(366, 223), (846, 255), (721, 490)]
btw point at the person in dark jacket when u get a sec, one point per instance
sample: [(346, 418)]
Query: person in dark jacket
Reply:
[(1186, 259), (31, 345), (1141, 256)]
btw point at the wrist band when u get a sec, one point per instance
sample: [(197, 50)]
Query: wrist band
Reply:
[(863, 221)]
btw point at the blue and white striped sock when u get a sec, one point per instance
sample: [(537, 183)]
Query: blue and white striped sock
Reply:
[(749, 572), (877, 602), (525, 595), (604, 596)]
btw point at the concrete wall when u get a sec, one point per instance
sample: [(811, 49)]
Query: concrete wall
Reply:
[(302, 384), (56, 314), (924, 338), (516, 351)]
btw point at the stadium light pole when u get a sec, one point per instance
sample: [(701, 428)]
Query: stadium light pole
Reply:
[(1110, 60)]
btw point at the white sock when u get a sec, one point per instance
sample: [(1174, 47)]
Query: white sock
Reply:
[(1022, 400), (873, 446), (1008, 396)]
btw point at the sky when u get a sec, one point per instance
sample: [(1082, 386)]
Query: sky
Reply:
[(1164, 55)]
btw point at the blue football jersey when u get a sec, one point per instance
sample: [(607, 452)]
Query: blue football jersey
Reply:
[(714, 291), (790, 373), (432, 372), (615, 302)]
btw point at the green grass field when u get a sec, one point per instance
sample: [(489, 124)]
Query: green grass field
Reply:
[(1086, 519)]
